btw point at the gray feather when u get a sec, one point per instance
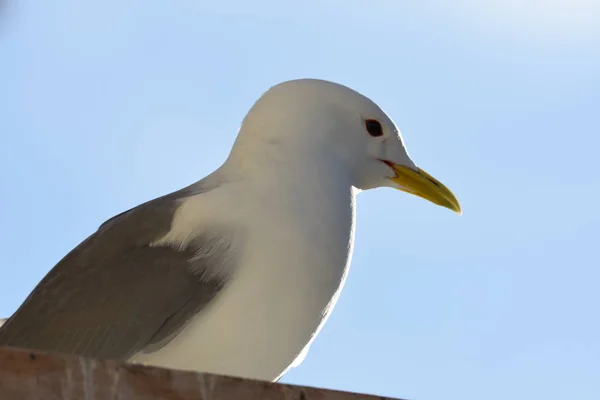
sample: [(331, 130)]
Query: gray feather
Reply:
[(114, 295)]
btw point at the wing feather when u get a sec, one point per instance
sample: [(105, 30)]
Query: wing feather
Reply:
[(114, 295)]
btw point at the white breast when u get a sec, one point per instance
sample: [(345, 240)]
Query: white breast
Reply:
[(292, 267)]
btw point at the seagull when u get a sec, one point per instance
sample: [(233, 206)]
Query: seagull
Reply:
[(236, 273)]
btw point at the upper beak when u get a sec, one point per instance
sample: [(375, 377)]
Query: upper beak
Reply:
[(421, 184)]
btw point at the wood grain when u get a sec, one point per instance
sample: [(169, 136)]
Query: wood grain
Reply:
[(26, 375)]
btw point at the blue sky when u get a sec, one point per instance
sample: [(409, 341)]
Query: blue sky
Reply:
[(106, 104)]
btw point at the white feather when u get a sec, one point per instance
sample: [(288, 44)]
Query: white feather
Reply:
[(287, 191)]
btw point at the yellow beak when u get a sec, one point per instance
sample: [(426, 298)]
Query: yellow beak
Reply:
[(421, 184)]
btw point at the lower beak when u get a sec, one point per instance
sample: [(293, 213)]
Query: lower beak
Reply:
[(421, 184)]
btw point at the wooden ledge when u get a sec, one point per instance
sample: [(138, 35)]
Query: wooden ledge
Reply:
[(27, 375)]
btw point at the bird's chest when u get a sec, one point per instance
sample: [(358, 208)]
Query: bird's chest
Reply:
[(298, 259), (290, 276), (290, 269)]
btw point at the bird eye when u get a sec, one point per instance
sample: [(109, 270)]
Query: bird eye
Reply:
[(374, 127)]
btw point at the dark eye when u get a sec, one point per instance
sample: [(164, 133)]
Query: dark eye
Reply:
[(374, 127)]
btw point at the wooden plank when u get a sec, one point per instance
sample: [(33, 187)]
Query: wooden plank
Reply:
[(27, 375)]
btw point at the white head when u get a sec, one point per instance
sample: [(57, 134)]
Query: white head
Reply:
[(306, 120)]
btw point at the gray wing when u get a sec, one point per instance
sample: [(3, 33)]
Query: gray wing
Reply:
[(114, 295)]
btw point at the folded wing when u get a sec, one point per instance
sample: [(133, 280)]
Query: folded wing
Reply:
[(114, 294)]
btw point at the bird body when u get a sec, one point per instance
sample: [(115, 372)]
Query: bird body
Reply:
[(275, 301), (236, 273)]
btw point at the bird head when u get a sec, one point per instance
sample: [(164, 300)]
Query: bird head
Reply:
[(325, 124)]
